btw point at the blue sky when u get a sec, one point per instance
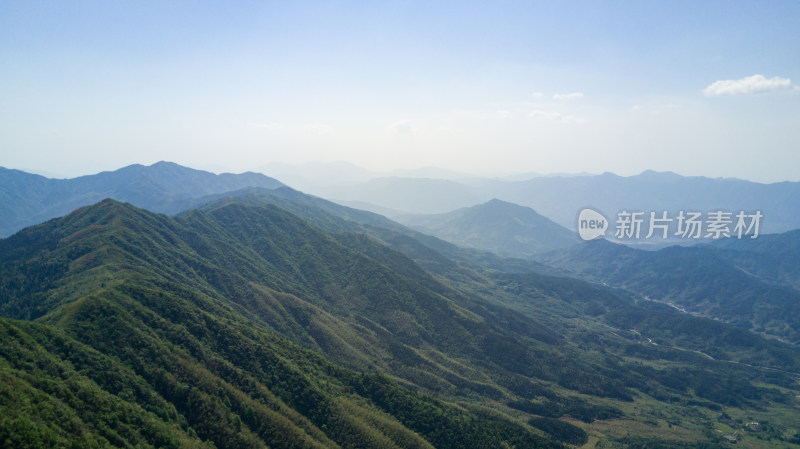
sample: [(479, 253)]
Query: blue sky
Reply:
[(699, 88)]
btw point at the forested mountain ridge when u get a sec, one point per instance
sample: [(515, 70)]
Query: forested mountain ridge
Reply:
[(752, 288), (771, 257), (225, 287), (120, 321), (432, 253)]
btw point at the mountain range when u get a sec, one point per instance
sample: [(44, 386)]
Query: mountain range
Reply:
[(266, 317), (561, 197), (27, 199), (192, 315)]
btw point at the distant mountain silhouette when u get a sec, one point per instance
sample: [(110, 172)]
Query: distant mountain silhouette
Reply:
[(498, 226), (409, 195), (560, 198), (27, 199)]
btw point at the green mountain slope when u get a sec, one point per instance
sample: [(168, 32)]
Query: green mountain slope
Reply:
[(701, 280), (207, 312), (123, 327), (432, 253), (774, 258)]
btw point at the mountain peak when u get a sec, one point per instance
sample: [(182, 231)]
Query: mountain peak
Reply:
[(499, 202), (652, 174), (166, 164), (499, 226), (104, 212), (496, 205)]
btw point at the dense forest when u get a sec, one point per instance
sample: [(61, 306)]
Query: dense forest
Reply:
[(243, 324)]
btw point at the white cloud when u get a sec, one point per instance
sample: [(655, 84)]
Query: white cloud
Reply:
[(557, 117), (537, 95), (503, 114), (749, 85), (538, 113), (569, 96), (402, 127)]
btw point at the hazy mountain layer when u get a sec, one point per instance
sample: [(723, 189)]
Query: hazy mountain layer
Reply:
[(560, 198), (503, 228), (27, 199)]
